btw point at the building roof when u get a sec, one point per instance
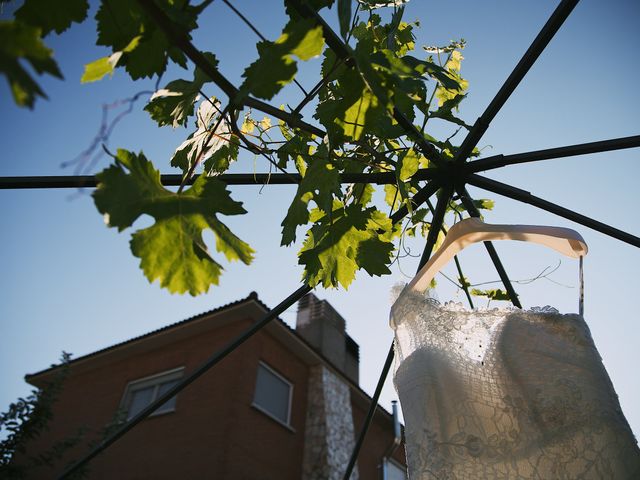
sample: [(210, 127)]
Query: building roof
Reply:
[(251, 298)]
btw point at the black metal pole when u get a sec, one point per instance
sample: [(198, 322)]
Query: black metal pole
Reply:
[(432, 237), (498, 161), (214, 359), (169, 180), (418, 199), (550, 28), (436, 224), (526, 197), (491, 250), (372, 410)]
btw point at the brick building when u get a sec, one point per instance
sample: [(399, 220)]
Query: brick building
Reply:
[(284, 405)]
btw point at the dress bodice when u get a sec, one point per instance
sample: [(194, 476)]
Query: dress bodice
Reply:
[(505, 394)]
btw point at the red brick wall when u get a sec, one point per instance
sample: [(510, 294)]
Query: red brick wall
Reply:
[(214, 432)]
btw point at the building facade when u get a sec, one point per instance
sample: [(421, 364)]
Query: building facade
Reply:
[(285, 405)]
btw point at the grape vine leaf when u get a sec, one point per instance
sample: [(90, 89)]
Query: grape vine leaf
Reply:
[(172, 250), (275, 66), (20, 41), (101, 67), (340, 243), (321, 181), (174, 104), (445, 111), (52, 15), (120, 21), (351, 109), (205, 141), (491, 294), (445, 92)]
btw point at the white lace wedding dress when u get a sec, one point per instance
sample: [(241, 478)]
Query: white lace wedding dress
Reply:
[(505, 394)]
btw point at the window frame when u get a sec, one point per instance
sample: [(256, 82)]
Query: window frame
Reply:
[(262, 409), (154, 380)]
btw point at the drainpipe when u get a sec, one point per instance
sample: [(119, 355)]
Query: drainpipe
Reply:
[(397, 439)]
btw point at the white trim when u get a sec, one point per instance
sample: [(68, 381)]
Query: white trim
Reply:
[(289, 401), (151, 380), (392, 461), (272, 416)]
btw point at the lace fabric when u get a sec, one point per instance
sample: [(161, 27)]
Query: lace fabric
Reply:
[(505, 394)]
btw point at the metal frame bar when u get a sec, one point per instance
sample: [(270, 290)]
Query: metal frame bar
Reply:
[(497, 161), (538, 45), (526, 197), (168, 180)]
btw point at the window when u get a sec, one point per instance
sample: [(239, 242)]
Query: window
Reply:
[(140, 393), (273, 394)]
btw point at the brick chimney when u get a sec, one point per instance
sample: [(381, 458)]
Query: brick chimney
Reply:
[(324, 328), (329, 430)]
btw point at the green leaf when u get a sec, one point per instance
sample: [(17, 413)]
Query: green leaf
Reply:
[(52, 15), (445, 111), (344, 16), (352, 110), (275, 66), (174, 104), (172, 249), (97, 69), (445, 92), (218, 162), (120, 21), (492, 294), (484, 204), (408, 164), (341, 243), (321, 182), (19, 41), (392, 196)]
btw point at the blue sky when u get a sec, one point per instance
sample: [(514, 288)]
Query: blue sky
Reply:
[(69, 283)]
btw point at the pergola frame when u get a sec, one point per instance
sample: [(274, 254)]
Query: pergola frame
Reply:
[(445, 179)]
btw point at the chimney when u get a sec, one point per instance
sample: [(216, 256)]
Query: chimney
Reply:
[(324, 328)]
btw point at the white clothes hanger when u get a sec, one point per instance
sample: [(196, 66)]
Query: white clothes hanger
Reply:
[(473, 230)]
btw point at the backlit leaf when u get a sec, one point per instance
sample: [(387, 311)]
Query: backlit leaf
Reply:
[(205, 141), (276, 66), (321, 183), (492, 294), (344, 241), (174, 104), (172, 249)]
